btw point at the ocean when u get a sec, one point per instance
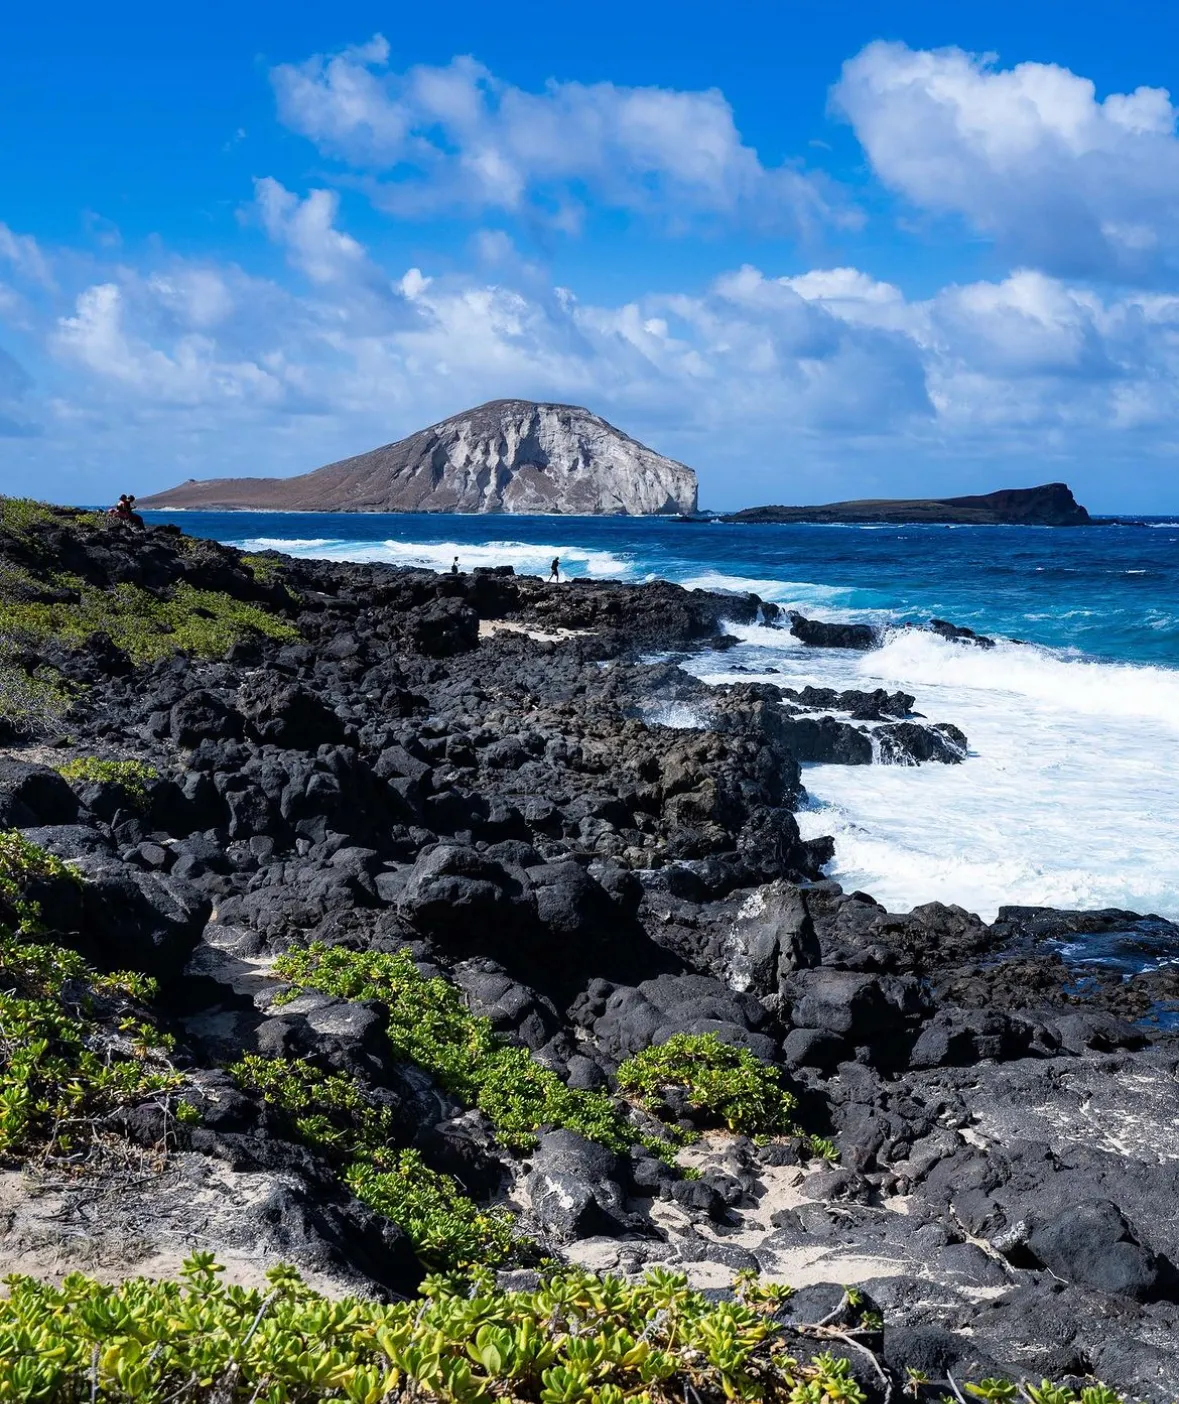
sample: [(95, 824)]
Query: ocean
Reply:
[(1069, 796)]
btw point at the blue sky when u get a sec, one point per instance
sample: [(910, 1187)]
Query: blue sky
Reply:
[(814, 252)]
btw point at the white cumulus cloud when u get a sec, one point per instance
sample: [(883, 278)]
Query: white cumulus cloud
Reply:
[(456, 136), (1028, 155)]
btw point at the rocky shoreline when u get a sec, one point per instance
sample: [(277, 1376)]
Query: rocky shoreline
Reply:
[(469, 769)]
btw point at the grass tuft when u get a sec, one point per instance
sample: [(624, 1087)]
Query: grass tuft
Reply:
[(131, 776)]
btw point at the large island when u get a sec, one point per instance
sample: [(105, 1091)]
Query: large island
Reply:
[(504, 456)]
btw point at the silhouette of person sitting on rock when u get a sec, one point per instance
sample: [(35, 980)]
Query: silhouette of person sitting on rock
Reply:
[(124, 511)]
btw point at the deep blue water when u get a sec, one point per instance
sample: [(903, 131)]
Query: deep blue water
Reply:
[(1109, 591)]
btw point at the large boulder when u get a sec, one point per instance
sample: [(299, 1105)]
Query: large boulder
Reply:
[(455, 893), (772, 937), (910, 743), (853, 1005), (34, 795), (1093, 1244), (825, 741), (573, 1188), (818, 633), (444, 627), (571, 905), (626, 1019), (203, 716), (293, 716), (139, 920)]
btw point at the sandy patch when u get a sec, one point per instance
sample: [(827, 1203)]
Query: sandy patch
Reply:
[(489, 627), (144, 1225), (36, 755)]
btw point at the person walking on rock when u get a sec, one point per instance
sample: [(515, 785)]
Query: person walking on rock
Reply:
[(555, 569)]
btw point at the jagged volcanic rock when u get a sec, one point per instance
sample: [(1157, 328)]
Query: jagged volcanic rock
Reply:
[(504, 456)]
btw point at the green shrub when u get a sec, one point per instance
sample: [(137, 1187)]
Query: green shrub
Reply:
[(429, 1025), (29, 701), (23, 864), (447, 1229), (131, 776), (264, 568), (75, 1048), (330, 1111), (147, 626), (726, 1086), (334, 1113), (19, 514), (577, 1339)]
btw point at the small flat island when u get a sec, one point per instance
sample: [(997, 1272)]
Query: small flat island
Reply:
[(1053, 504)]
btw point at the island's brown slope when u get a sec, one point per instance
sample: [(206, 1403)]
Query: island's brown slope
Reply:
[(1052, 504), (505, 456)]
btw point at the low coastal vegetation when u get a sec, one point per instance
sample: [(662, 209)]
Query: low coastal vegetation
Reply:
[(146, 626), (77, 1049), (336, 1115), (428, 1024), (130, 776), (574, 1339), (40, 601), (700, 1073), (29, 700)]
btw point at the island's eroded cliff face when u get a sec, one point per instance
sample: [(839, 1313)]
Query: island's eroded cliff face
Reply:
[(505, 456)]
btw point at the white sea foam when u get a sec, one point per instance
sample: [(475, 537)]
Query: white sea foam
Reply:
[(529, 558), (792, 593), (292, 545), (1069, 797), (679, 715)]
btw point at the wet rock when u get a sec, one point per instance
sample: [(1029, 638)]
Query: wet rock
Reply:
[(909, 743), (957, 633), (827, 741), (820, 634)]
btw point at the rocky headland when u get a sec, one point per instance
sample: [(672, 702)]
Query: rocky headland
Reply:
[(504, 456), (1052, 504), (461, 956)]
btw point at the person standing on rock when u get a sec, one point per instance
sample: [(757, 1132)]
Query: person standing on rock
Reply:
[(454, 570), (555, 569)]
